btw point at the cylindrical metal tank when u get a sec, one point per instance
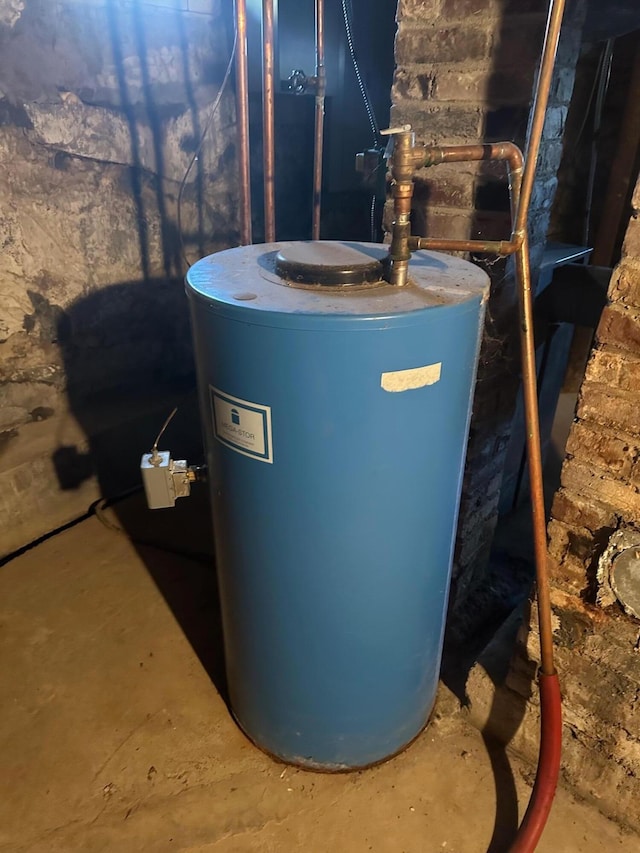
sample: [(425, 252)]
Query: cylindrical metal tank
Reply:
[(335, 421)]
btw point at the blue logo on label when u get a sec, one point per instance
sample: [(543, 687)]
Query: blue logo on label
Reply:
[(242, 425)]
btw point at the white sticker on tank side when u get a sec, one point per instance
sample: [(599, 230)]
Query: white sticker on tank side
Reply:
[(242, 425), (414, 377)]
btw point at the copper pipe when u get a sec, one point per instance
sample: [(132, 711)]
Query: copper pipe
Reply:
[(548, 770), (520, 185), (242, 118), (539, 109), (319, 126), (480, 247), (403, 164), (406, 158), (508, 151), (530, 392), (552, 35), (519, 246), (268, 129)]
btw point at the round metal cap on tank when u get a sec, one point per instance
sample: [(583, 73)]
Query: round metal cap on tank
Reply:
[(335, 412)]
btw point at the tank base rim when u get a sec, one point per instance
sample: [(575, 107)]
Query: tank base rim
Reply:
[(319, 767)]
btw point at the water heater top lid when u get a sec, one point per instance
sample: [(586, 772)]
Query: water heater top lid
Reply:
[(253, 284), (329, 263)]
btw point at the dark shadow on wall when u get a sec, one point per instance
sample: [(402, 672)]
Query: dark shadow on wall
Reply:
[(128, 361), (141, 102), (128, 356), (115, 34), (170, 249), (197, 130)]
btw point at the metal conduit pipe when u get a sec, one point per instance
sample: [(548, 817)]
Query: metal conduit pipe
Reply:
[(268, 124), (242, 119), (319, 121), (405, 160)]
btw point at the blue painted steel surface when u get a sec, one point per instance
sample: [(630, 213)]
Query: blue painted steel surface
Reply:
[(335, 511)]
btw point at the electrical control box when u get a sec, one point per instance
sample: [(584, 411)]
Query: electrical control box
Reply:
[(165, 479)]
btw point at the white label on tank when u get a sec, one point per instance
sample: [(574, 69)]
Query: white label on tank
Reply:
[(414, 377), (241, 425)]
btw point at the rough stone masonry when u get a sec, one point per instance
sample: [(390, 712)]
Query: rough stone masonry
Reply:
[(102, 106)]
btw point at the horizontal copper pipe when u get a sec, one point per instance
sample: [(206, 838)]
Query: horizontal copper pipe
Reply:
[(500, 151), (482, 247), (508, 151)]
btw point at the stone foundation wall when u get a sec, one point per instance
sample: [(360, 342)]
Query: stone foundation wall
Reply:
[(102, 105)]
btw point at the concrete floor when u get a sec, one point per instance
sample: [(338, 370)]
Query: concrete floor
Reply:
[(114, 737)]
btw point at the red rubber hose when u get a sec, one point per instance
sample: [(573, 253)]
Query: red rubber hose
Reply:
[(548, 767)]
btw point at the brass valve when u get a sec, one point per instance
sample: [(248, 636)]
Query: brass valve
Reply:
[(404, 160)]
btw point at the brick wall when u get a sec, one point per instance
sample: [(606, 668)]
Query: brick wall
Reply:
[(600, 487), (465, 72), (596, 508)]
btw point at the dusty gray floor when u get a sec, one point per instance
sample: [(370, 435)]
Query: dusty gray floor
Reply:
[(114, 738)]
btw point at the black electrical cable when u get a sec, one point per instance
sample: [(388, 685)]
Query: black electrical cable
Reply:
[(39, 541), (198, 149), (347, 17), (97, 509)]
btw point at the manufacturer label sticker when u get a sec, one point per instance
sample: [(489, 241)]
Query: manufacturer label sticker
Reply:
[(242, 425)]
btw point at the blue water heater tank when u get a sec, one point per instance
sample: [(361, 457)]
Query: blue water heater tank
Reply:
[(336, 411)]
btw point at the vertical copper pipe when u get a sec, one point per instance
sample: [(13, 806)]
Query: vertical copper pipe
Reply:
[(242, 119), (402, 166), (268, 130), (530, 392), (319, 127), (539, 806), (540, 101)]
